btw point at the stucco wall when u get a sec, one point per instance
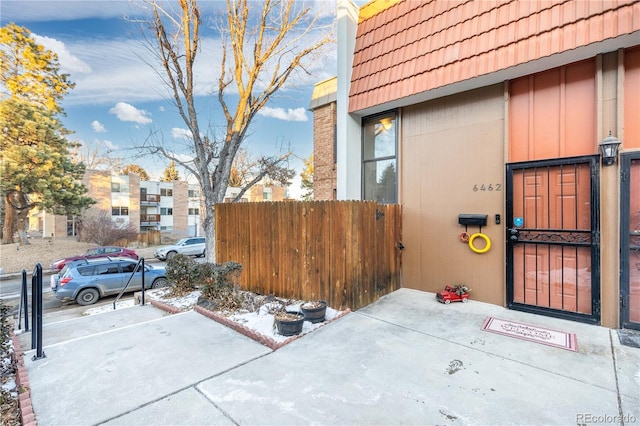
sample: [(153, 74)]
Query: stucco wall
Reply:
[(447, 148)]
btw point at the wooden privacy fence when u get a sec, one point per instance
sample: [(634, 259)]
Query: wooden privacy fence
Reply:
[(145, 239), (344, 252)]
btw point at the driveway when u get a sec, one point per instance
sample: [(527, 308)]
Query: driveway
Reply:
[(405, 359)]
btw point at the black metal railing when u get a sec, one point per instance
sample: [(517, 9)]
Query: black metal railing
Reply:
[(139, 267), (24, 303), (36, 309)]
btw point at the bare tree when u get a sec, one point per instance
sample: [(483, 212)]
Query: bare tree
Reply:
[(90, 154), (247, 171), (261, 49)]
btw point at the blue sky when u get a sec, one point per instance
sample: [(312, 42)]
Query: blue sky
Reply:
[(119, 98)]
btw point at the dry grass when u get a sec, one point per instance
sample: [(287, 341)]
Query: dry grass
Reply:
[(15, 258)]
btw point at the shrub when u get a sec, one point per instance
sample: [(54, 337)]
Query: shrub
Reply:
[(97, 227), (183, 272), (222, 283)]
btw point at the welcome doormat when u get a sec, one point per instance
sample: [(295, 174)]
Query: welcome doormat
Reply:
[(531, 333)]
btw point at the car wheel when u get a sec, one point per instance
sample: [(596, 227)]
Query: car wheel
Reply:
[(465, 300), (171, 254), (203, 253), (446, 302), (159, 283), (88, 296)]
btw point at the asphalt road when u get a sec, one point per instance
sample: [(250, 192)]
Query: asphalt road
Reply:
[(10, 288), (10, 296)]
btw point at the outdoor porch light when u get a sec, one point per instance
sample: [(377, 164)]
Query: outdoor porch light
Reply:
[(609, 147)]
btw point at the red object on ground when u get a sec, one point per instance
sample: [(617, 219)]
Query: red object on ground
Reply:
[(449, 295)]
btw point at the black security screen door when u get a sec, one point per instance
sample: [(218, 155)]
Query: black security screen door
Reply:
[(553, 238)]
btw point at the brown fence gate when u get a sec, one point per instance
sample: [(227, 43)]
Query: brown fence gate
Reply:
[(344, 252)]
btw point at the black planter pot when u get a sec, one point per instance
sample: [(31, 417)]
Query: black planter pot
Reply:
[(290, 327), (315, 315)]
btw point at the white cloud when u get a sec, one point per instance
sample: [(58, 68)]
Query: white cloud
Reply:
[(178, 133), (38, 10), (110, 145), (297, 114), (68, 62), (127, 112), (98, 127)]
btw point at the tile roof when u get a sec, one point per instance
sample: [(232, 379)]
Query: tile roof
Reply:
[(407, 47)]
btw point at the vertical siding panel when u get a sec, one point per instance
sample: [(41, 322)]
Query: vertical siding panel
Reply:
[(580, 114), (555, 116), (631, 137), (546, 109), (519, 120)]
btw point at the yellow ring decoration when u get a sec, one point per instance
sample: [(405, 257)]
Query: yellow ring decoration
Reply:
[(485, 238)]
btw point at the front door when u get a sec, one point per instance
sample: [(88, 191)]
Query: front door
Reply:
[(630, 241), (553, 238)]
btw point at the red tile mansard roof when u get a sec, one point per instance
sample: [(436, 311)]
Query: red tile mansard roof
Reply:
[(406, 47)]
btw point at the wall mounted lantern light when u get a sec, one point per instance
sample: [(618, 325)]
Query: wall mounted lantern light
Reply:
[(609, 148)]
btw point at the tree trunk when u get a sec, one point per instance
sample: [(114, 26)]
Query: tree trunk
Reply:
[(9, 226), (209, 226), (22, 223)]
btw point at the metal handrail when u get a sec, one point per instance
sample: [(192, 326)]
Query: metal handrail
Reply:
[(36, 312), (139, 267), (24, 303)]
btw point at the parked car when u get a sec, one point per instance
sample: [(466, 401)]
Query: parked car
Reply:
[(95, 252), (192, 246), (88, 280)]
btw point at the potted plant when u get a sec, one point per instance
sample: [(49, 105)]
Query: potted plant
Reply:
[(314, 311), (288, 323)]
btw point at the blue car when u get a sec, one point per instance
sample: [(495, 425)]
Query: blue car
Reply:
[(88, 280)]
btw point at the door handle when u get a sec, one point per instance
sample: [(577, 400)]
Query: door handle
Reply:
[(514, 235)]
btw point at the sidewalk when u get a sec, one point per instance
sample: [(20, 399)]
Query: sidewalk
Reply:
[(405, 359)]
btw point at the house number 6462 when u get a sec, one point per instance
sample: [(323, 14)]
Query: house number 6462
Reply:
[(487, 187)]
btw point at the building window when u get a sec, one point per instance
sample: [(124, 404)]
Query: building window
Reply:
[(166, 192), (115, 187), (194, 212), (379, 163), (193, 193), (166, 228), (266, 195), (166, 211), (119, 211)]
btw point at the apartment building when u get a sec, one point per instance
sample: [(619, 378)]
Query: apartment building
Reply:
[(170, 207)]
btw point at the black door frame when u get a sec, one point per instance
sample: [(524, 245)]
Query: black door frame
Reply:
[(594, 163), (625, 238)]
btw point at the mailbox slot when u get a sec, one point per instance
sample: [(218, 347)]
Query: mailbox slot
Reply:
[(472, 219)]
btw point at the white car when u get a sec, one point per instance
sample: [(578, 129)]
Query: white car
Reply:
[(192, 246)]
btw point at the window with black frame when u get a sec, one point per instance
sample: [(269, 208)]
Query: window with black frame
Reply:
[(379, 162)]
